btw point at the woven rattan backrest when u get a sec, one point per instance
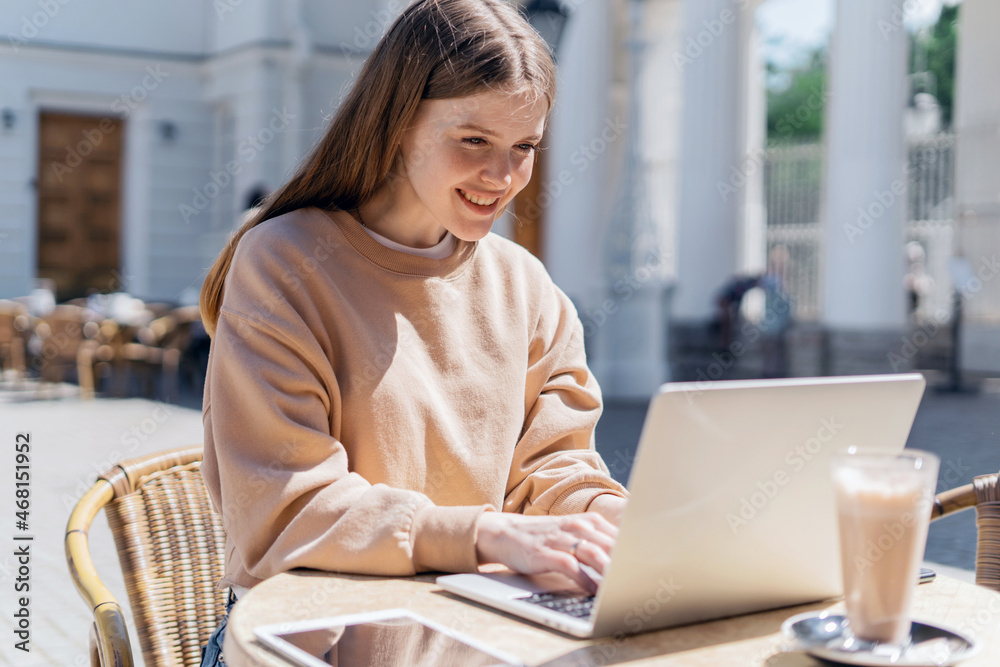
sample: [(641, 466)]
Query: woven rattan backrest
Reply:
[(988, 526), (11, 341), (9, 312), (171, 546), (64, 332)]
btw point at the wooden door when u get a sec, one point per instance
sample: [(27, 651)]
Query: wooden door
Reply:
[(79, 194)]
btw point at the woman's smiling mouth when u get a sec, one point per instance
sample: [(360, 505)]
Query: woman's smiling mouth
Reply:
[(479, 201)]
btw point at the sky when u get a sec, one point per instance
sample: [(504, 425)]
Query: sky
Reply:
[(790, 28)]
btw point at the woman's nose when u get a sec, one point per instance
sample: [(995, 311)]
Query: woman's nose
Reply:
[(497, 171)]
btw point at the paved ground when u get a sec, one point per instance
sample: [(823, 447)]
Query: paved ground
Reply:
[(72, 440)]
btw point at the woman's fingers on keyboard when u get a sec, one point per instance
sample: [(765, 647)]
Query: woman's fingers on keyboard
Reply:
[(593, 555), (583, 528)]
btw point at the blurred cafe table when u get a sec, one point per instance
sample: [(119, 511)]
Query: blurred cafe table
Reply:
[(752, 640)]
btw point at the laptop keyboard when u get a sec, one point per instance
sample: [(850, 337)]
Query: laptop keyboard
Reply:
[(578, 606)]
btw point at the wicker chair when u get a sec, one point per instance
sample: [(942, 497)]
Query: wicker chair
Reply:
[(100, 356), (984, 495), (171, 546), (161, 345), (60, 334), (14, 324)]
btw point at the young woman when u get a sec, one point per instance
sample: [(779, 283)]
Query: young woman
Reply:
[(392, 389)]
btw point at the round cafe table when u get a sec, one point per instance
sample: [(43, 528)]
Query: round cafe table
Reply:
[(750, 640)]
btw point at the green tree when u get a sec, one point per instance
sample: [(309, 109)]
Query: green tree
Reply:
[(796, 100), (932, 61)]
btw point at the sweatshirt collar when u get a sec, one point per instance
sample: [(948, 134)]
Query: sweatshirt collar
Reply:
[(395, 260)]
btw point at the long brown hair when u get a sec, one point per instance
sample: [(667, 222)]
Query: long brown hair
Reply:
[(436, 49)]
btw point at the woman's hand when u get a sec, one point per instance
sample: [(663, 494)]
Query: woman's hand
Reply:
[(537, 544)]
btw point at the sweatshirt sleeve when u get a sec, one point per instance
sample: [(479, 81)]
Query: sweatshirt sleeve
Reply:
[(555, 469), (280, 480)]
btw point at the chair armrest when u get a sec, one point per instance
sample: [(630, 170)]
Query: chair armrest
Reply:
[(113, 646), (953, 500), (112, 641)]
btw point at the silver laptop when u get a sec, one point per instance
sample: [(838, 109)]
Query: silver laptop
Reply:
[(731, 507)]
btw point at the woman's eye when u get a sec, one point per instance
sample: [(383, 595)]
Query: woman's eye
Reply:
[(475, 141), (527, 148)]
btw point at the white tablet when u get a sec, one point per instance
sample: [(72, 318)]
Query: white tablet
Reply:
[(387, 638)]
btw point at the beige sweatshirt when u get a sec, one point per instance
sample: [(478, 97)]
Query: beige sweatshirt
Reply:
[(363, 406)]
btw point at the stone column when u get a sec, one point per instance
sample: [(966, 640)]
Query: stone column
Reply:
[(977, 180), (865, 187), (584, 134), (637, 255), (709, 57), (720, 220), (751, 239), (591, 130)]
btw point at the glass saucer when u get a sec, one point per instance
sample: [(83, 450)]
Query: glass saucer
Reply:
[(822, 635)]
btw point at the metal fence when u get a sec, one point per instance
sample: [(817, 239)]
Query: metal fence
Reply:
[(793, 182)]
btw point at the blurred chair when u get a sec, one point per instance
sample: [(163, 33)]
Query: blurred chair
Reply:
[(160, 346), (15, 325), (100, 356), (984, 495), (57, 339), (160, 308), (171, 547)]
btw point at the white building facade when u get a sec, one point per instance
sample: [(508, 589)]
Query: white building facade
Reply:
[(214, 101)]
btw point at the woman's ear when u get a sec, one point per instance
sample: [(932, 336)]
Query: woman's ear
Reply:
[(397, 172)]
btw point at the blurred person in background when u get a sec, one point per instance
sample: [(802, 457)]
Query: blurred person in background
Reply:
[(917, 282), (777, 319)]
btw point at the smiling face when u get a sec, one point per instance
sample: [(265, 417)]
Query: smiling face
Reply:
[(460, 163)]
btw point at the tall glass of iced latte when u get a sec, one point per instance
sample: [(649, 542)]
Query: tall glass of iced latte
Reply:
[(883, 504)]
